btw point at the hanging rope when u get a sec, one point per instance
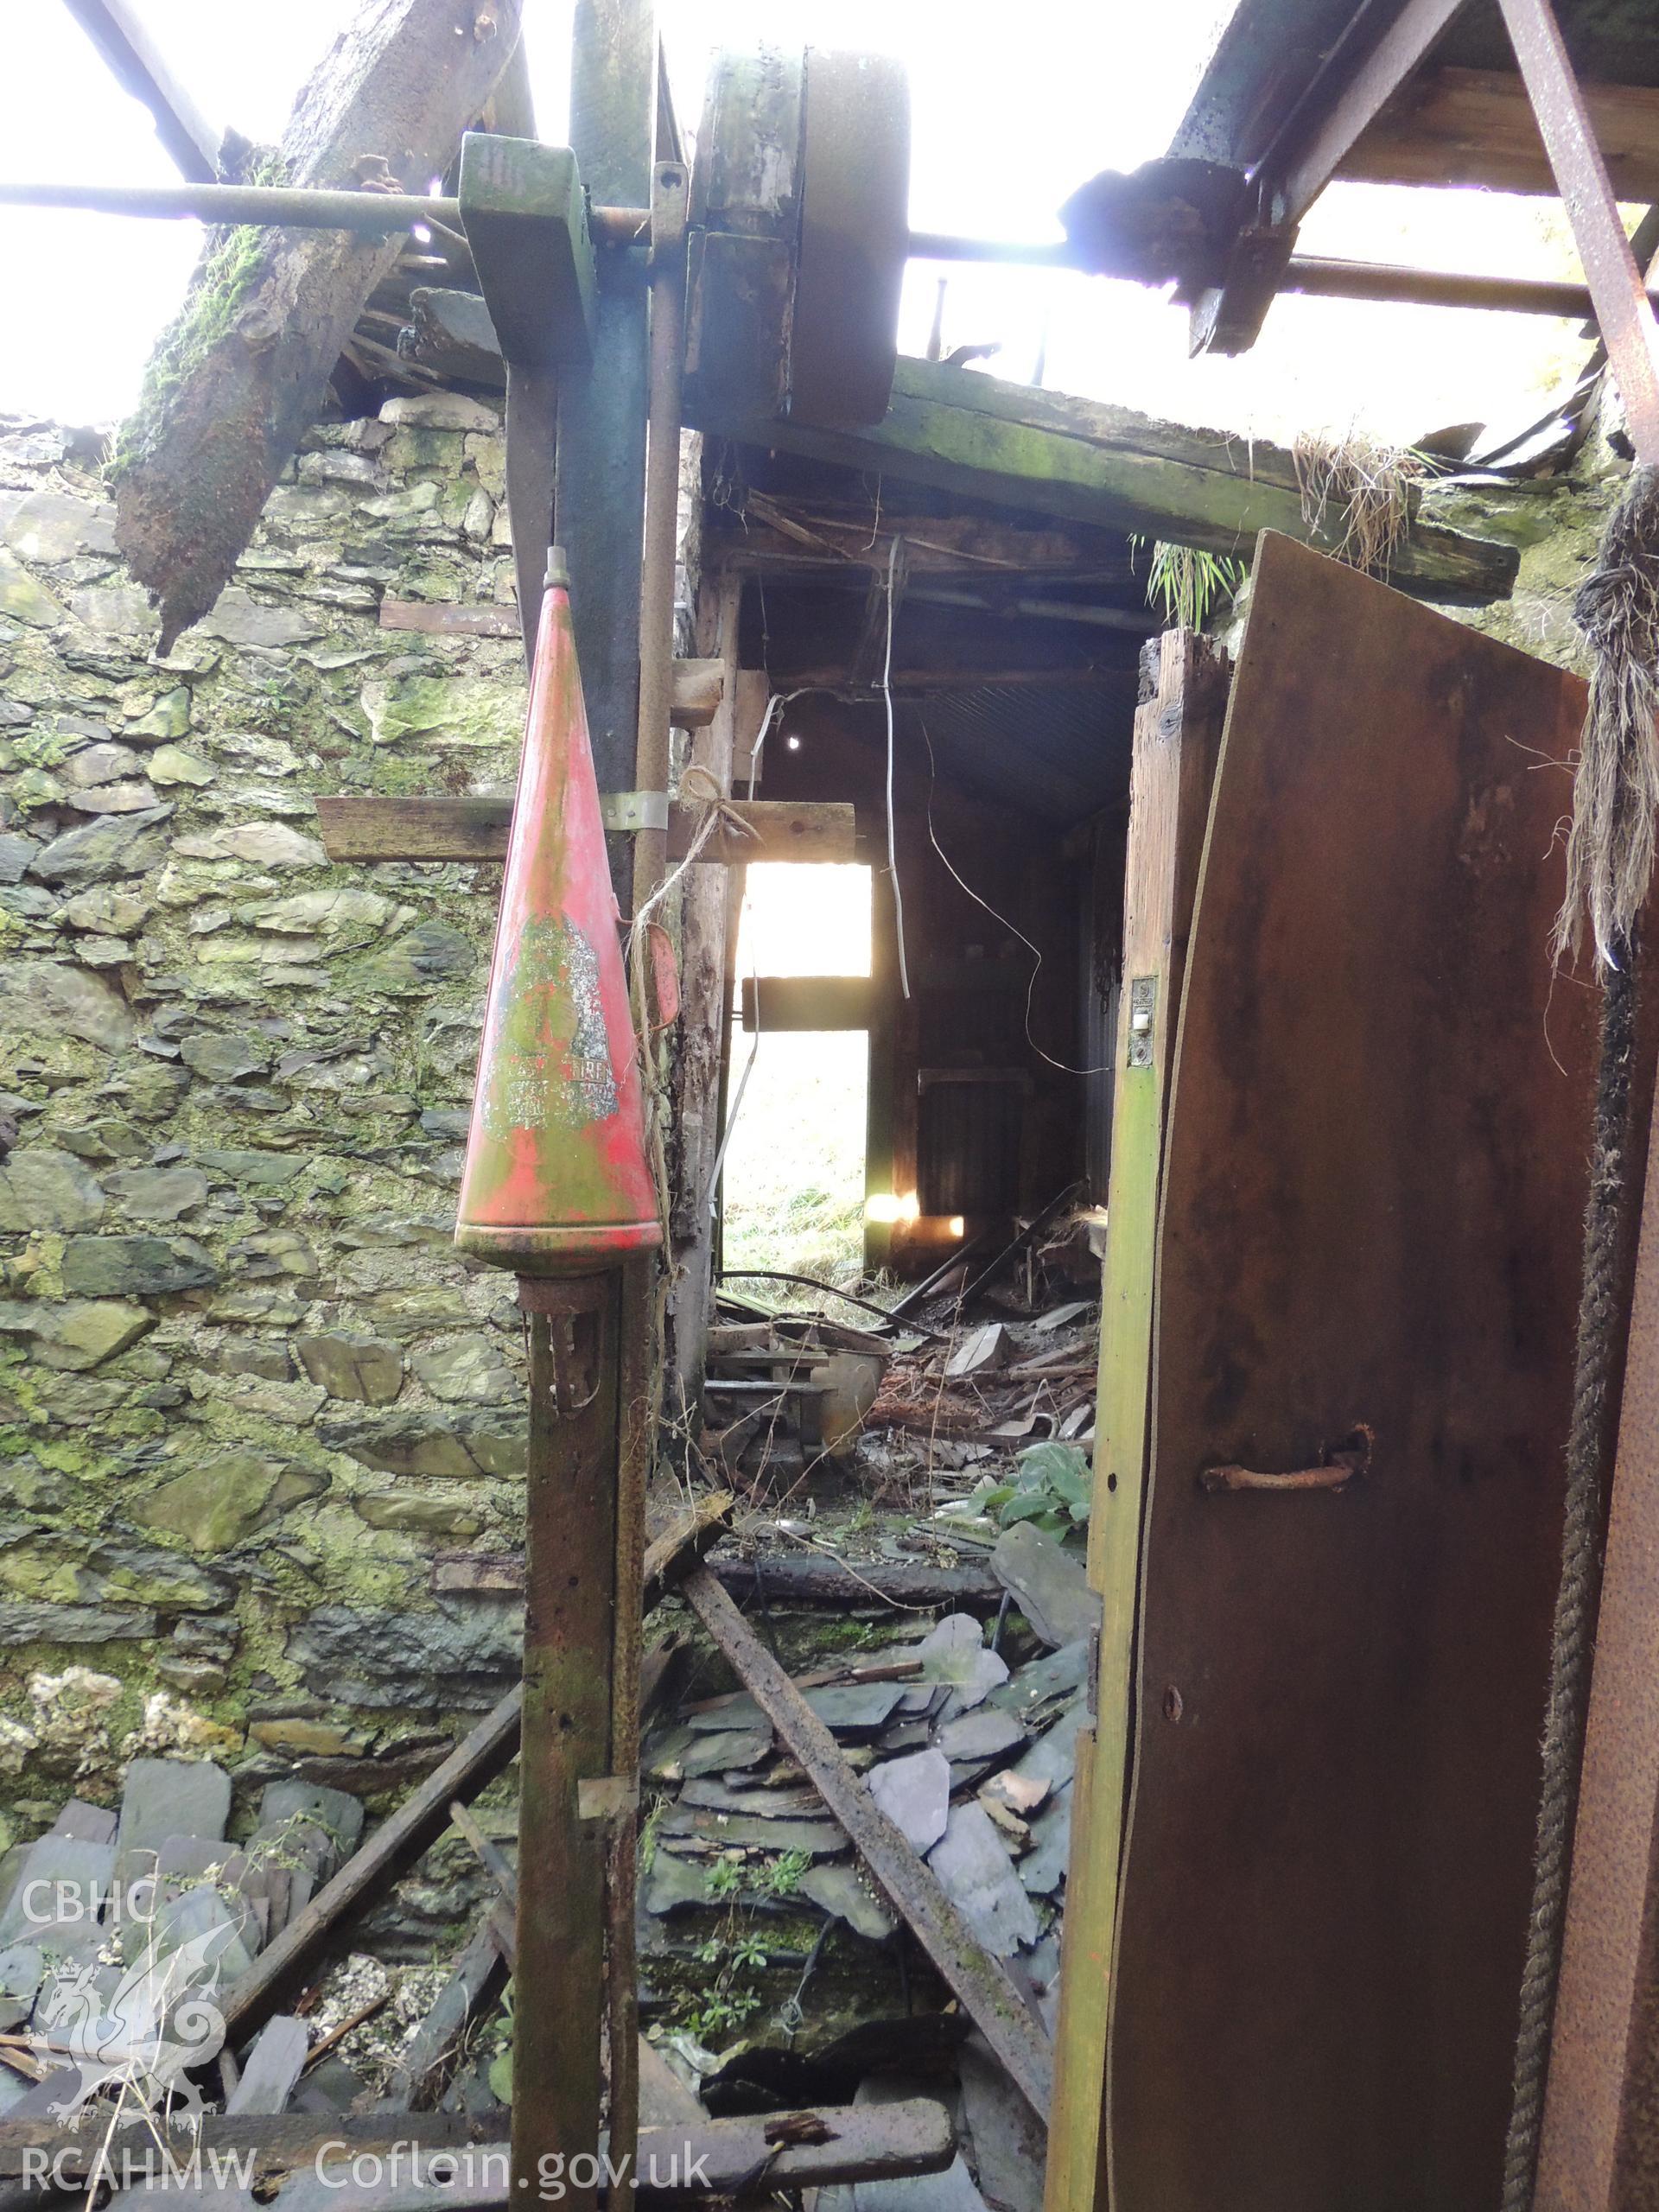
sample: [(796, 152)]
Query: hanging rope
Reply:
[(1589, 1452), (1610, 851)]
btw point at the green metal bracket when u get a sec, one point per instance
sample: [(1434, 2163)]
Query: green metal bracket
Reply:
[(526, 215)]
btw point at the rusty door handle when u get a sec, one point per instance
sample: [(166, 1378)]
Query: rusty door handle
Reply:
[(1335, 1470)]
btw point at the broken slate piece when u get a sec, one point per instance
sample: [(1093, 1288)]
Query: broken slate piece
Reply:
[(726, 1753), (818, 1839), (335, 1811), (1043, 1868), (904, 1736), (859, 1708), (985, 1350), (271, 2068), (955, 1655), (64, 1881), (768, 1804), (837, 1890), (1051, 1676), (86, 1823), (208, 1929), (972, 1862), (1059, 1315), (676, 1882), (1048, 1585), (682, 1752), (1053, 1757), (22, 1969), (951, 2191), (915, 1795), (1010, 2144), (975, 1736), (166, 1798), (331, 2086)]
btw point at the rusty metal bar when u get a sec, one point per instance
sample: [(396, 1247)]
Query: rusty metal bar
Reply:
[(1622, 306), (569, 1608), (1319, 277), (1303, 174), (376, 213), (671, 187), (298, 207)]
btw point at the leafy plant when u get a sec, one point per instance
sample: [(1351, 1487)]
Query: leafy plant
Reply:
[(781, 1876), (724, 1878), (1189, 583), (1052, 1487), (726, 2009)]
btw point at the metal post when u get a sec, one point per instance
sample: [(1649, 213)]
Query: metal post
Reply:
[(564, 1809), (1622, 305), (668, 204)]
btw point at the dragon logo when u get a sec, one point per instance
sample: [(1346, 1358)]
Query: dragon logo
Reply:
[(141, 2036)]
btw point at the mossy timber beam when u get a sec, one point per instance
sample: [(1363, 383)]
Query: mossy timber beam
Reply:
[(984, 439)]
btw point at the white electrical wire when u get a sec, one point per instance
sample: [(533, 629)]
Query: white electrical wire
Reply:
[(894, 545), (1037, 958)]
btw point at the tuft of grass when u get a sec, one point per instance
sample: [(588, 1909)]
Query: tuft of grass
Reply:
[(1357, 495), (1188, 582)]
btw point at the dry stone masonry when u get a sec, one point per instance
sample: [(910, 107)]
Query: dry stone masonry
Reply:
[(248, 1394)]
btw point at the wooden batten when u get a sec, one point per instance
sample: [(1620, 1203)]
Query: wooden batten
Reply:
[(376, 829)]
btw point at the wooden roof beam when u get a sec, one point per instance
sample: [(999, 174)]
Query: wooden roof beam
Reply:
[(117, 30), (1080, 461), (1476, 127)]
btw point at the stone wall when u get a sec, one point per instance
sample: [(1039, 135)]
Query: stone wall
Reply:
[(249, 1398)]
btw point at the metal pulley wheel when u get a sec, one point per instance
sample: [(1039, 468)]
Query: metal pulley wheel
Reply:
[(799, 236)]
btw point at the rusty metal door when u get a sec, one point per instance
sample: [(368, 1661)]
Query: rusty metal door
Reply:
[(1373, 1188)]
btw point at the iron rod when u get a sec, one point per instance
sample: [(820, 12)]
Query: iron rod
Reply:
[(375, 213), (1434, 288), (289, 206)]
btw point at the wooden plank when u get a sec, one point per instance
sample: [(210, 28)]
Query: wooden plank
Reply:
[(263, 325), (280, 1969), (723, 2157), (979, 1983), (1177, 739), (817, 1002), (355, 828), (695, 1530), (700, 1044), (809, 1578), (571, 1597), (437, 618), (280, 2142), (979, 437), (697, 683), (119, 33), (1476, 127), (1374, 1178), (479, 1972)]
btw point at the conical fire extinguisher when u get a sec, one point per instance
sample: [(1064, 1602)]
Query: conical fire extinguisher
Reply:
[(557, 1180)]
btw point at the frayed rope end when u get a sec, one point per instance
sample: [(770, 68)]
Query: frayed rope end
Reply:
[(1611, 848)]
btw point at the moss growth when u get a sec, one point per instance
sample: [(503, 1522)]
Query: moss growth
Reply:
[(233, 260)]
